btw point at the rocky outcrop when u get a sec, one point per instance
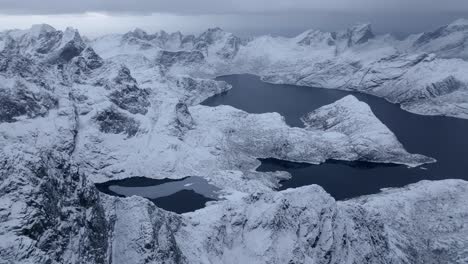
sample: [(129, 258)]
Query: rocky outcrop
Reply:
[(316, 37), (196, 91), (113, 121), (184, 120), (357, 34), (303, 225), (20, 101), (369, 137), (48, 44), (126, 94), (49, 213), (352, 59), (450, 41), (180, 58)]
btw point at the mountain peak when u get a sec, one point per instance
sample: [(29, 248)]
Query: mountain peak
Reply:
[(459, 22), (360, 33), (211, 35), (315, 37), (138, 32), (38, 29)]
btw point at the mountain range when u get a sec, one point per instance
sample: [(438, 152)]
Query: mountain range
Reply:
[(77, 111)]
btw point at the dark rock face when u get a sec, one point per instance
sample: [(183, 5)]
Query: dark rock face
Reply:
[(84, 64), (137, 34), (160, 39), (429, 36), (184, 120), (214, 35), (170, 58), (314, 37), (183, 115), (69, 52), (445, 86), (90, 60), (22, 102), (63, 211), (156, 243), (131, 98), (210, 36), (115, 122), (188, 39), (458, 27), (356, 35), (196, 88), (127, 95), (14, 63), (45, 42), (433, 90), (124, 76), (449, 41), (229, 51), (362, 35)]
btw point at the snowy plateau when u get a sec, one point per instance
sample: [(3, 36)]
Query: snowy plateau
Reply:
[(76, 111)]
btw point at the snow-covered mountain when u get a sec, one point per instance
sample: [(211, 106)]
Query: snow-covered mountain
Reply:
[(424, 73), (75, 112)]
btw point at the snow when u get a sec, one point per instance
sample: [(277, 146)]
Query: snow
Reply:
[(39, 29), (459, 22), (352, 59), (52, 153)]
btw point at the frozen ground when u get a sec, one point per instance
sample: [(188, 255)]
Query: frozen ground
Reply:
[(73, 113)]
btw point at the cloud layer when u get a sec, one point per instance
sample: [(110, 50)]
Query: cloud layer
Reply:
[(243, 17), (194, 7)]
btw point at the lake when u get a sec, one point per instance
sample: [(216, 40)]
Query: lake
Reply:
[(179, 196), (443, 138)]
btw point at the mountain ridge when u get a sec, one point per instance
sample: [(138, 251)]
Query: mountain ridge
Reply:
[(75, 112)]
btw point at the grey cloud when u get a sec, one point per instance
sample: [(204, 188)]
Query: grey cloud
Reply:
[(243, 17), (193, 7)]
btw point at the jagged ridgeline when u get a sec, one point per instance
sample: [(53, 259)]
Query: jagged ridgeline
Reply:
[(75, 112)]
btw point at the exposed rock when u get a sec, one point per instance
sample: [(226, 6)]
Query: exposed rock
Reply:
[(127, 95), (449, 41), (358, 34), (366, 133), (20, 101), (352, 59), (113, 121), (197, 90), (171, 58), (316, 37), (46, 43), (184, 120), (304, 225)]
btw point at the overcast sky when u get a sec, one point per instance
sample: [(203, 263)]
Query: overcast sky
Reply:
[(245, 17)]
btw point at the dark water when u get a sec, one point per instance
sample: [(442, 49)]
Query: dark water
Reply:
[(443, 138), (180, 196)]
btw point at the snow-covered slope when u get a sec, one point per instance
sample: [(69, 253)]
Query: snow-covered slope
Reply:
[(72, 114), (424, 73), (449, 41), (422, 223), (366, 134)]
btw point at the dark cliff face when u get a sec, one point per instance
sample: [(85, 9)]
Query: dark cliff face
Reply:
[(22, 102), (450, 41), (126, 93), (460, 27), (59, 211), (113, 121), (63, 211), (171, 58)]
